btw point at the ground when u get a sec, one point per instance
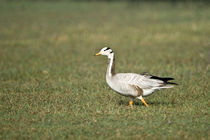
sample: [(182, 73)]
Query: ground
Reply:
[(52, 87)]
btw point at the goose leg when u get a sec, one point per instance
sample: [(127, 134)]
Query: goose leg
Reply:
[(139, 93), (142, 99), (131, 103)]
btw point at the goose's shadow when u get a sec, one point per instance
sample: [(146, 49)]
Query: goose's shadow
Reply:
[(139, 103)]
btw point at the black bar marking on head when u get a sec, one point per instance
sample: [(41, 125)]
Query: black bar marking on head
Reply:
[(107, 49), (111, 51)]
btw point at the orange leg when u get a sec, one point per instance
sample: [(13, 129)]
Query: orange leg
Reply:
[(131, 103), (144, 102)]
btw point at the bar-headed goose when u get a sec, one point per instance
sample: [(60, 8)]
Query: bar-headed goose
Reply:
[(132, 84)]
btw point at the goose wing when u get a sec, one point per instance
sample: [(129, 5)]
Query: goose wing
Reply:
[(143, 81)]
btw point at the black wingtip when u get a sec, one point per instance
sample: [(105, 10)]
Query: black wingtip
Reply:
[(171, 83), (162, 78)]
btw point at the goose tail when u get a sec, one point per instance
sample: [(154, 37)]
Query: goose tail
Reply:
[(166, 80)]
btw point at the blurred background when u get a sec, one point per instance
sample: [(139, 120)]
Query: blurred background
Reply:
[(52, 87)]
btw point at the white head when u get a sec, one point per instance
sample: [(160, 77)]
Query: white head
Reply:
[(106, 51)]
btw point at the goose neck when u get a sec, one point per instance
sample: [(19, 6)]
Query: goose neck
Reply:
[(111, 65)]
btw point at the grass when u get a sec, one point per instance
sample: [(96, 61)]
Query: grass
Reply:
[(52, 87)]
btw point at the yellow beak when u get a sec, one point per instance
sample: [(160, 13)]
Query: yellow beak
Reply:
[(98, 54)]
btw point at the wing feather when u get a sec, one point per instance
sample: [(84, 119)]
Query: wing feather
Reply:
[(143, 81)]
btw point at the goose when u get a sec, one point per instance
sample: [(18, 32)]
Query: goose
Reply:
[(132, 85)]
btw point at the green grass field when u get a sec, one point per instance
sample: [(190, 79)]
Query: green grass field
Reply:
[(52, 87)]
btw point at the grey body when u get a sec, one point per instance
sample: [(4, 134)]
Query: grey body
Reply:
[(123, 83)]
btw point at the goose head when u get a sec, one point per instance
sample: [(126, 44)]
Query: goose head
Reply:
[(106, 51)]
